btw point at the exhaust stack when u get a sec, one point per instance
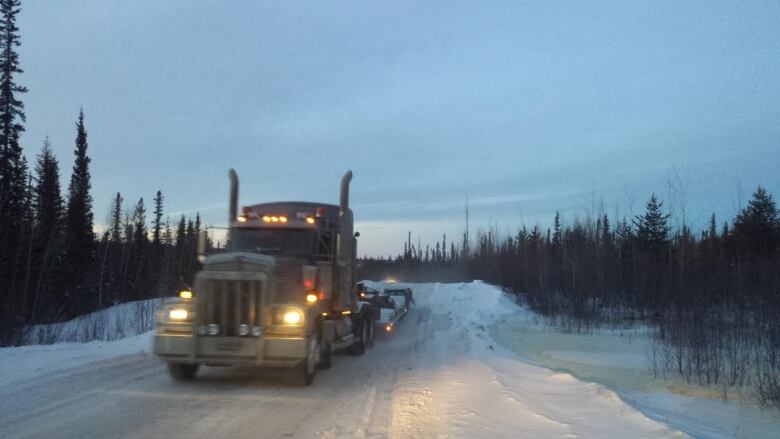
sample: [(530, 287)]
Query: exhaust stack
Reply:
[(233, 212), (344, 202)]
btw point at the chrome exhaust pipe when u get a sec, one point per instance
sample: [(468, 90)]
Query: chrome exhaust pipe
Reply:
[(344, 202), (233, 212)]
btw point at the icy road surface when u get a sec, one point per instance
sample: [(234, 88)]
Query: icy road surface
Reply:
[(437, 375)]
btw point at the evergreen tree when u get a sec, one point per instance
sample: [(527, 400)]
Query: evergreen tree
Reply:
[(79, 234), (157, 225), (652, 228), (140, 237), (556, 238), (47, 199), (116, 219), (606, 233), (14, 193), (757, 226), (712, 231), (47, 205)]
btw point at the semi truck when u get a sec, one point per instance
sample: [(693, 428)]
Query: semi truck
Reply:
[(282, 294)]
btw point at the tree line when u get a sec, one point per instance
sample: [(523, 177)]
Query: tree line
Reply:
[(52, 264), (712, 295)]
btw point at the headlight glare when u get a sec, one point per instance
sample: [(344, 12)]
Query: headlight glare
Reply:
[(178, 314), (292, 317)]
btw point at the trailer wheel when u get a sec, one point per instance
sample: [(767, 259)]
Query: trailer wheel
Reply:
[(182, 371)]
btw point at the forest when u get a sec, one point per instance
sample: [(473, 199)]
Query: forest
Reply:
[(53, 265)]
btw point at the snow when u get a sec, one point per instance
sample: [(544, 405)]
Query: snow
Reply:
[(122, 329), (621, 360), (466, 385), (466, 361), (25, 362)]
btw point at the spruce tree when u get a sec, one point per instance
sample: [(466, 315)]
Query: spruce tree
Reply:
[(157, 225), (14, 193), (47, 199), (652, 228), (116, 219), (47, 205), (140, 238), (79, 234), (556, 239), (757, 226)]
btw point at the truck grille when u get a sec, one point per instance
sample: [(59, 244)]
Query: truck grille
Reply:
[(230, 304)]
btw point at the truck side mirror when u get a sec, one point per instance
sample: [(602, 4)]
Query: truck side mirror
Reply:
[(203, 238), (357, 234)]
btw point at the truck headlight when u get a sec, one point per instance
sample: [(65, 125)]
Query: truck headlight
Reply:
[(289, 317), (292, 317), (178, 314)]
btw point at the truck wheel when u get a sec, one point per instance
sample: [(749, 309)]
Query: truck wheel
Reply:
[(324, 363), (182, 371), (308, 367), (359, 346), (324, 357), (371, 331)]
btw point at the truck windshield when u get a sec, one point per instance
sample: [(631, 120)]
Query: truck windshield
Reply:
[(297, 242)]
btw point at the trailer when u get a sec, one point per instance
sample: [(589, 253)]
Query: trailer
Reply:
[(389, 305)]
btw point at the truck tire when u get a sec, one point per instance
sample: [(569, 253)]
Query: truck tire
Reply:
[(324, 363), (182, 371), (359, 346), (371, 330), (306, 370)]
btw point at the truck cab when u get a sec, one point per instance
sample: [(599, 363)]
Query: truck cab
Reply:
[(281, 295)]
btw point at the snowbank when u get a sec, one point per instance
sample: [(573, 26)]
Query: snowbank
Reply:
[(25, 362), (621, 360), (113, 323), (119, 330)]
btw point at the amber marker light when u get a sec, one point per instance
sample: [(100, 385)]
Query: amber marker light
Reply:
[(311, 298), (310, 220), (185, 294)]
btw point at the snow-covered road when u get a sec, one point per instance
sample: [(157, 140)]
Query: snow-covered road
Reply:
[(437, 375)]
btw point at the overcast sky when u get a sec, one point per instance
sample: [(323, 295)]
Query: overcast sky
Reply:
[(524, 107)]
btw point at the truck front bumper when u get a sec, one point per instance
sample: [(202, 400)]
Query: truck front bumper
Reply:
[(224, 351)]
